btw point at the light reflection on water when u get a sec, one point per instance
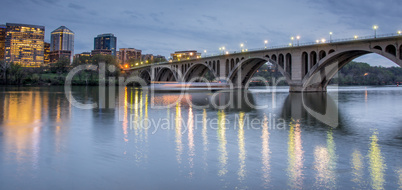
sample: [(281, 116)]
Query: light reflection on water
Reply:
[(46, 141)]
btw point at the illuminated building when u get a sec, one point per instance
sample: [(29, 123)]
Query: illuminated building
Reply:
[(25, 44), (2, 41), (182, 55), (83, 54), (59, 54), (46, 54), (101, 52), (125, 54), (62, 39), (105, 42), (148, 58)]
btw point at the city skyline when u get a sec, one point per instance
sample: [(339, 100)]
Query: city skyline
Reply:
[(202, 27)]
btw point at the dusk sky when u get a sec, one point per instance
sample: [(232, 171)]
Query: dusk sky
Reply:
[(162, 27)]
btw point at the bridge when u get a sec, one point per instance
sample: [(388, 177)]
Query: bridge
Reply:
[(306, 67)]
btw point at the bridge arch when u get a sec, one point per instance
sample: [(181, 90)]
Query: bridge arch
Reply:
[(166, 74), (391, 49), (146, 75), (289, 64), (305, 66), (198, 70), (313, 59), (244, 71), (378, 48), (322, 54), (281, 61), (321, 74)]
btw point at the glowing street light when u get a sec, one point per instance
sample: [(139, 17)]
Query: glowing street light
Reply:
[(241, 47), (298, 38), (375, 27), (399, 32), (330, 37), (205, 53), (265, 44), (356, 37), (323, 40), (317, 41), (292, 38)]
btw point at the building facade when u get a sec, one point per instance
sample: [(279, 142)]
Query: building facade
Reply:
[(105, 42), (46, 54), (101, 52), (58, 55), (183, 55), (24, 44), (62, 39), (2, 41), (126, 54)]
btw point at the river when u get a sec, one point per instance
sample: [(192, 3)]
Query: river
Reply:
[(350, 137)]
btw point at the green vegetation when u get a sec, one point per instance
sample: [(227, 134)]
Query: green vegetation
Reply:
[(354, 73), (55, 74)]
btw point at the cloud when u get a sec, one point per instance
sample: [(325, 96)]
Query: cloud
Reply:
[(75, 6)]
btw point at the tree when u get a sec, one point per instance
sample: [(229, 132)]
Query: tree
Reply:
[(61, 66)]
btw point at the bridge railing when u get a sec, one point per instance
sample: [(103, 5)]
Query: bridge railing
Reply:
[(286, 46)]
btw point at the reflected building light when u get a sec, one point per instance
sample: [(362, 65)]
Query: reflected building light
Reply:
[(357, 168), (377, 165), (242, 152), (125, 117), (205, 134), (179, 146), (223, 157), (136, 121), (265, 152), (295, 154), (191, 153), (146, 123), (325, 164)]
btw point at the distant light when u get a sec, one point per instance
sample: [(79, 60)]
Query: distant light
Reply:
[(126, 66), (227, 52), (205, 51), (399, 32), (266, 41), (375, 27), (292, 38), (241, 45), (298, 37), (191, 54), (323, 40), (290, 44), (365, 74), (356, 37), (317, 41), (223, 47), (330, 33)]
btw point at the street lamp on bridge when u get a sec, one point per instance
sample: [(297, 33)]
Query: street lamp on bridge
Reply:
[(399, 32), (205, 53), (330, 37), (265, 44), (241, 47), (292, 38), (298, 38), (375, 27)]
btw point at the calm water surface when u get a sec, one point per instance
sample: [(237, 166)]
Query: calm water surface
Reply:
[(137, 142)]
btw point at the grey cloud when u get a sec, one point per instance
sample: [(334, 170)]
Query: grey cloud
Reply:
[(75, 6)]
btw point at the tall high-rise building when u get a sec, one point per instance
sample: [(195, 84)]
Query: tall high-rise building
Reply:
[(25, 44), (105, 42), (62, 39), (2, 41), (125, 54)]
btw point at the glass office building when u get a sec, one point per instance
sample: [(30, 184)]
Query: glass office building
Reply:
[(106, 42), (25, 44), (62, 39)]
